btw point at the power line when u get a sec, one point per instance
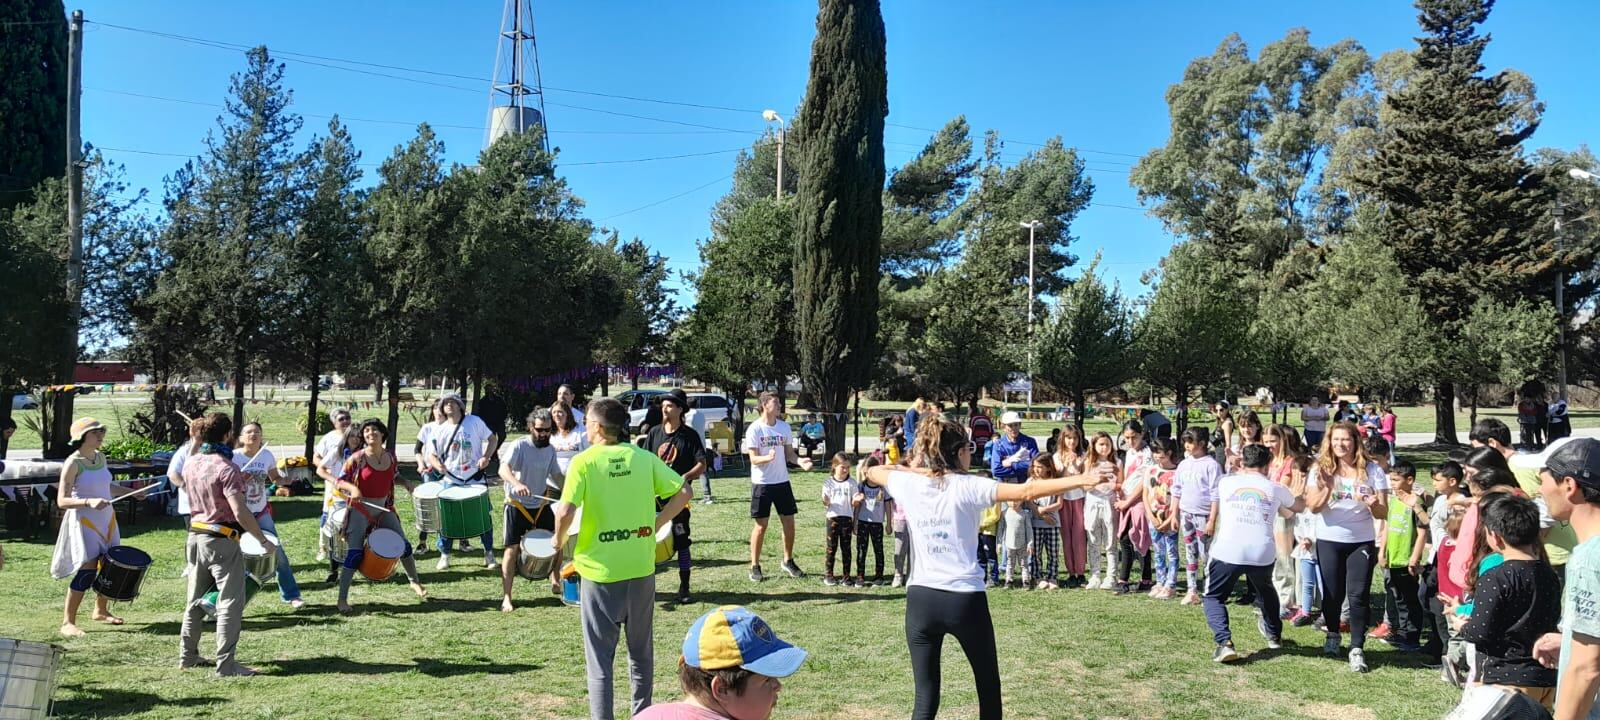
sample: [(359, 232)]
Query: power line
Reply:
[(666, 199), (649, 159)]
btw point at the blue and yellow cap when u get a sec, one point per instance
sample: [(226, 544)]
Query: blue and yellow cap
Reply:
[(733, 637)]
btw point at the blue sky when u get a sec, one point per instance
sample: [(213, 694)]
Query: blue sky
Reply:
[(1093, 73)]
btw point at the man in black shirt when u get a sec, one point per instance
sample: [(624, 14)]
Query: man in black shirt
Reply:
[(682, 449)]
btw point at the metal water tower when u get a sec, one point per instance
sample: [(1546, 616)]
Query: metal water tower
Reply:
[(516, 95)]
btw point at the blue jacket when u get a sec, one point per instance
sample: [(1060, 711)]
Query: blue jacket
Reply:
[(1003, 447)]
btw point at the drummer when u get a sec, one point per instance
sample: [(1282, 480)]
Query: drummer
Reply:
[(615, 484), (459, 449), (89, 527), (331, 468), (424, 437), (530, 472), (258, 464), (368, 483), (220, 517), (682, 449)]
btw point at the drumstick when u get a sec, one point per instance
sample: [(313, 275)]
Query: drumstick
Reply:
[(140, 491), (375, 507)]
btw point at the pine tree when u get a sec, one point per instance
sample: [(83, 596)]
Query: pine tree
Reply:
[(1084, 344), (840, 206), (33, 96), (1461, 202)]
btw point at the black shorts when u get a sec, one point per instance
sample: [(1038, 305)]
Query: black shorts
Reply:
[(515, 525), (680, 531), (764, 497)]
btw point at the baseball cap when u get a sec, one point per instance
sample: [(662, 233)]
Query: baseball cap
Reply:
[(1010, 418), (84, 426), (1577, 458), (733, 637)]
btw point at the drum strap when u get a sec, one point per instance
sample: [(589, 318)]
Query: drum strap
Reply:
[(532, 519), (105, 537), (219, 530)]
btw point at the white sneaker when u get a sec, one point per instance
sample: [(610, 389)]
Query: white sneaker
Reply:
[(1109, 583), (1358, 660), (490, 564), (444, 563), (1094, 582), (322, 556)]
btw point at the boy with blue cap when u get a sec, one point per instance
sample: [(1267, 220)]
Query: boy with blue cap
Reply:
[(729, 669)]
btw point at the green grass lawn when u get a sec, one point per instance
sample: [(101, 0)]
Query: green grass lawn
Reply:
[(1063, 654)]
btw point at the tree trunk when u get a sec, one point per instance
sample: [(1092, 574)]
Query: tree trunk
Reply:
[(377, 390), (633, 377), (1444, 416), (834, 405), (5, 411), (477, 386), (1078, 405), (1180, 407), (394, 410), (605, 383), (1472, 417), (856, 418), (316, 390), (240, 364)]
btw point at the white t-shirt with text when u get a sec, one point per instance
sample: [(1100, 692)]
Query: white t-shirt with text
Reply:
[(840, 495), (255, 490), (1346, 519), (1246, 506), (942, 516), (764, 438)]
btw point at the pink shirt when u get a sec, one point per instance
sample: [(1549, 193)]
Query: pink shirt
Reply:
[(678, 711), (1386, 428), (209, 479)]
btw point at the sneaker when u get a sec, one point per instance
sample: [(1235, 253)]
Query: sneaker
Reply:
[(755, 574), (322, 556), (1225, 653), (1319, 624), (1043, 585), (1406, 647), (706, 501), (897, 581), (444, 563), (1330, 647), (490, 564), (1155, 592), (1358, 660), (880, 582), (1380, 632), (1108, 583), (1300, 619), (792, 569), (848, 582), (829, 581), (1120, 588), (1191, 599), (1274, 642), (1094, 582), (1287, 613), (861, 581)]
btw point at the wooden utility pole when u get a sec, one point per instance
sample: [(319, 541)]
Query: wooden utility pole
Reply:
[(62, 422)]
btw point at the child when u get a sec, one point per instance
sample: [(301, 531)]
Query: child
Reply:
[(1194, 486), (1099, 517), (902, 542), (1162, 517), (1046, 521), (1305, 549), (869, 528), (1514, 603), (1017, 534), (1378, 449), (1133, 531), (988, 552), (1448, 485), (1402, 550), (842, 495)]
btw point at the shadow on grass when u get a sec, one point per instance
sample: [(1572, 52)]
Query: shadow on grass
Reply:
[(715, 598), (106, 702), (309, 615), (431, 667)]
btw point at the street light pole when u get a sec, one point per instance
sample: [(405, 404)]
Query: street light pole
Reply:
[(1032, 226), (772, 116)]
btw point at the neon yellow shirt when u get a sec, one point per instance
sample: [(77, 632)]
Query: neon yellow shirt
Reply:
[(617, 486)]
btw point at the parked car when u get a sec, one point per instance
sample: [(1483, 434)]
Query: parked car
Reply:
[(710, 407), (24, 402), (638, 403)]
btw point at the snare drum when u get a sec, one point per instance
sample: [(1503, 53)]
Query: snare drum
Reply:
[(384, 548), (464, 512), (122, 571), (28, 674), (664, 543), (538, 555), (332, 538), (425, 506), (258, 563), (208, 601)]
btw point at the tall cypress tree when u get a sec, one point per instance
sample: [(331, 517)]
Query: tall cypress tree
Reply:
[(1461, 203), (840, 206), (33, 97)]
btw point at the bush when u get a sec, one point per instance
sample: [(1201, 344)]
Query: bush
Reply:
[(324, 423), (134, 448), (161, 422)]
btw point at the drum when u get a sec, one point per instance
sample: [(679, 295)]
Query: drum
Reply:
[(122, 571), (384, 548), (258, 563), (425, 506), (28, 673), (208, 601), (332, 538), (569, 591), (464, 512), (664, 543), (538, 557)]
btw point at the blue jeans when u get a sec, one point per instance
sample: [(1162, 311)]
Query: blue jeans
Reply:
[(1310, 584), (286, 584)]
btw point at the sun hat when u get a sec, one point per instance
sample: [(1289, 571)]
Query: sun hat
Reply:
[(84, 426), (733, 637), (1010, 418)]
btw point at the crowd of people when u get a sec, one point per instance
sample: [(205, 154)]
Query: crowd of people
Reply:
[(1491, 576)]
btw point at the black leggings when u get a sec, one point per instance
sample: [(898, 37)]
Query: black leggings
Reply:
[(932, 614), (868, 532), (1346, 571), (1126, 554)]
